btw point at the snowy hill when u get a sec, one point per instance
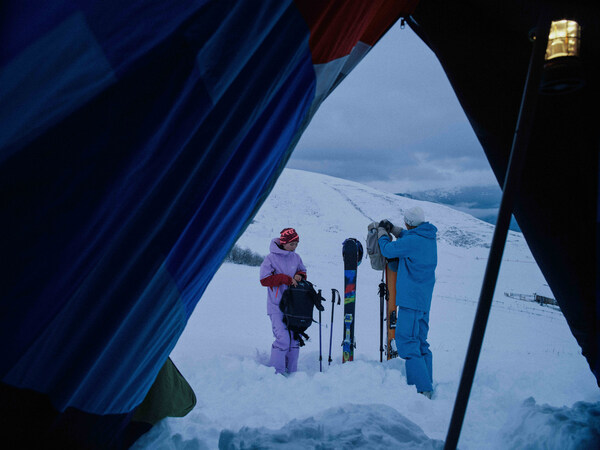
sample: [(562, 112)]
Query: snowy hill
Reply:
[(531, 377)]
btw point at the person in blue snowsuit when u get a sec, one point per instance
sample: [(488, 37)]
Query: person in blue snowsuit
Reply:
[(416, 251)]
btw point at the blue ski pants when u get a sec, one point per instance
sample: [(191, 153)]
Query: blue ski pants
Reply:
[(412, 327)]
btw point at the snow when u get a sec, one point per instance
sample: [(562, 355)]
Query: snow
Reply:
[(533, 388)]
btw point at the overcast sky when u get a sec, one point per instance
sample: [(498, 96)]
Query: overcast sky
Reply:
[(395, 124)]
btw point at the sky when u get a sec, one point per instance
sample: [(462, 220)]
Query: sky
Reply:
[(395, 124)]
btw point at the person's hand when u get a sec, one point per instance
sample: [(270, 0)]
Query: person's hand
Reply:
[(296, 279), (396, 230), (381, 231), (387, 225)]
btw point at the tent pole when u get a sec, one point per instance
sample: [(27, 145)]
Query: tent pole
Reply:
[(509, 191)]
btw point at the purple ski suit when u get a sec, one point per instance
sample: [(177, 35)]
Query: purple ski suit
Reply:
[(276, 272)]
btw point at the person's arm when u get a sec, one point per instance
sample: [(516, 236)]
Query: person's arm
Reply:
[(269, 278), (386, 227), (276, 279), (397, 231), (400, 248), (300, 271), (384, 242)]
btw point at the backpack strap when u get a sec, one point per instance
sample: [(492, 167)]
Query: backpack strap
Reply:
[(298, 335)]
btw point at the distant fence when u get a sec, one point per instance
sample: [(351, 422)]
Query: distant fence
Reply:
[(545, 300), (533, 298), (507, 260)]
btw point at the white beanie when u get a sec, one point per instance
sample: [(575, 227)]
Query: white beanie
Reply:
[(414, 216)]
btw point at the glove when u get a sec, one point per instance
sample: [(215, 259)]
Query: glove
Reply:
[(396, 230), (387, 225), (382, 232)]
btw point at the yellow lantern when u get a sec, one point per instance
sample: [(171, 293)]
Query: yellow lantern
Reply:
[(563, 70), (563, 40)]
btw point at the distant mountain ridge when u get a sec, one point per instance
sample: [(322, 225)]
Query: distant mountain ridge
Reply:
[(474, 196), (482, 202)]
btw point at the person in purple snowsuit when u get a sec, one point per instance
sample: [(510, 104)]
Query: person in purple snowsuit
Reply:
[(281, 268)]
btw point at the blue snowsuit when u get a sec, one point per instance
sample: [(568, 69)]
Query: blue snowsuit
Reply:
[(416, 251)]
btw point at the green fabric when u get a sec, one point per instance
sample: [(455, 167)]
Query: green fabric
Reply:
[(170, 396)]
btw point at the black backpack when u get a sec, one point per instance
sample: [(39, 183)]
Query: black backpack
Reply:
[(297, 305)]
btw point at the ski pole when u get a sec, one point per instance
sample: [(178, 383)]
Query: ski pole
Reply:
[(333, 292), (320, 353), (382, 291)]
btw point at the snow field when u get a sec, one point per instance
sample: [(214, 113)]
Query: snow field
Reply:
[(532, 389)]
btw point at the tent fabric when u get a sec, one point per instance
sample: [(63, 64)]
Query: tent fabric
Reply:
[(170, 396), (129, 134), (484, 50), (336, 27), (341, 35), (109, 255)]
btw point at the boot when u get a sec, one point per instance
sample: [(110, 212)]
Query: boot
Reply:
[(427, 394)]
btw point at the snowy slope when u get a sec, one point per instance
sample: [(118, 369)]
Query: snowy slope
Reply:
[(531, 375)]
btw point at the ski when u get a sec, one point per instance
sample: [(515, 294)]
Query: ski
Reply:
[(352, 254), (391, 316), (348, 353)]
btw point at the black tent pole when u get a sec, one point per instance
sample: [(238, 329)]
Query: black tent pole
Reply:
[(509, 191)]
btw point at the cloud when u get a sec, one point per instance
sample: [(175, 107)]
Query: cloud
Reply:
[(394, 123)]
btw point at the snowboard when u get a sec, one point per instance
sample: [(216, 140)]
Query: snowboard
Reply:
[(390, 280), (350, 252)]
